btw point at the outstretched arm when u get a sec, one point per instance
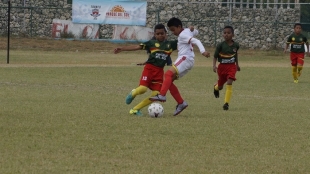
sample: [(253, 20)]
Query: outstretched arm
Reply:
[(127, 48), (200, 46)]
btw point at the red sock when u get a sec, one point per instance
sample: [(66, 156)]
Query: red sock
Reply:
[(167, 83), (175, 93)]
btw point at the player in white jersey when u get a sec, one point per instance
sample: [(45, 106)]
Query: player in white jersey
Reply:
[(182, 65)]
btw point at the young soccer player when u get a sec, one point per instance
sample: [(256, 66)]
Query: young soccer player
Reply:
[(152, 75), (169, 61), (227, 56), (297, 41), (182, 65)]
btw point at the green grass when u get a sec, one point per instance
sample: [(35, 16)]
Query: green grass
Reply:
[(65, 112)]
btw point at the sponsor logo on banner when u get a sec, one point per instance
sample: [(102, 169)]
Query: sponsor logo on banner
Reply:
[(95, 11), (109, 12), (118, 12)]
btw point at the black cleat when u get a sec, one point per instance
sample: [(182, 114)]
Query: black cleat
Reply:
[(226, 106), (216, 93)]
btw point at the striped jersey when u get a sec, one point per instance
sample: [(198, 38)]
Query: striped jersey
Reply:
[(297, 43), (159, 51), (225, 53)]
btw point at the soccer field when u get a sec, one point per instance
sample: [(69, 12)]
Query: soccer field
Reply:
[(63, 111)]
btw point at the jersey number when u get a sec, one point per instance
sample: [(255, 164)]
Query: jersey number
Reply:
[(144, 78)]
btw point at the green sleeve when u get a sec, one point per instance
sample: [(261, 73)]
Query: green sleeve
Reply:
[(145, 45)]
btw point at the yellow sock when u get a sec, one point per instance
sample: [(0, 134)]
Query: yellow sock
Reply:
[(228, 93), (146, 101), (299, 69), (216, 87), (294, 72), (139, 90)]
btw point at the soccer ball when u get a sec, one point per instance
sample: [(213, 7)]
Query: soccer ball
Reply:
[(156, 110)]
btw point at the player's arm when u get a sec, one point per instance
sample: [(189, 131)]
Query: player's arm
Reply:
[(128, 48), (289, 39), (307, 46), (237, 59), (216, 55), (200, 46)]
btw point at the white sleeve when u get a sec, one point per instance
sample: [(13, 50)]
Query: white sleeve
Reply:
[(184, 38), (198, 43)]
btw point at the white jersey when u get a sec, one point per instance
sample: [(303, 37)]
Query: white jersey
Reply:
[(185, 60), (185, 43)]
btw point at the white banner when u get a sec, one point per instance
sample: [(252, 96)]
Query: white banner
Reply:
[(138, 33), (109, 12), (65, 27)]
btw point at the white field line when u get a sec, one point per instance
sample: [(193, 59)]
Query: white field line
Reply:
[(275, 97)]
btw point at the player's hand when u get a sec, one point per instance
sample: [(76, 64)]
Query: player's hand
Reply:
[(206, 54), (191, 28), (214, 69), (238, 68), (117, 50)]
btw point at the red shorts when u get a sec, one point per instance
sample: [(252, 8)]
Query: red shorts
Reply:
[(297, 58), (225, 72), (152, 77)]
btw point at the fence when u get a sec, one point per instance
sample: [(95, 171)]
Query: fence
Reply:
[(263, 27)]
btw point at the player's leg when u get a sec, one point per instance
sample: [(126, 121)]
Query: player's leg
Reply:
[(145, 81), (137, 109), (138, 91), (294, 59), (222, 78), (179, 69), (300, 63), (231, 73), (153, 79), (181, 104)]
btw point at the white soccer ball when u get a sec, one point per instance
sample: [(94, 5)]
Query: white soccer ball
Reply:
[(156, 110)]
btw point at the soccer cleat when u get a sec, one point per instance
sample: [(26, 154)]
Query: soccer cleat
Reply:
[(179, 108), (216, 92), (296, 81), (129, 97), (158, 97), (226, 106), (135, 112)]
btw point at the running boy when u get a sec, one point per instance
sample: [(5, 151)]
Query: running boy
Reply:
[(182, 65), (152, 75), (227, 56), (297, 41)]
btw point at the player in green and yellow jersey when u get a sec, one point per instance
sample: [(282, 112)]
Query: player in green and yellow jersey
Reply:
[(227, 56), (297, 55), (152, 75)]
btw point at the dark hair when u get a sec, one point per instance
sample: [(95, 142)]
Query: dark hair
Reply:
[(160, 26), (230, 27), (174, 22), (297, 24)]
